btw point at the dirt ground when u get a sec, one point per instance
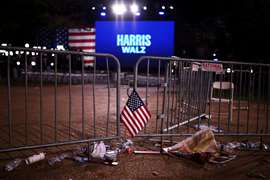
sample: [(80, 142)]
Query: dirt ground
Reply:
[(247, 165)]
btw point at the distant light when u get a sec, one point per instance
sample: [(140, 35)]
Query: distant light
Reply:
[(26, 45), (52, 64), (52, 55), (18, 63), (93, 8), (33, 53), (104, 8), (251, 71), (228, 70), (4, 44), (10, 53), (44, 47), (27, 53), (215, 59), (119, 9), (33, 63), (134, 8), (21, 52), (163, 7), (161, 13), (35, 47), (171, 7), (103, 14), (138, 14), (145, 8), (60, 47), (36, 53), (214, 54), (17, 52), (39, 47)]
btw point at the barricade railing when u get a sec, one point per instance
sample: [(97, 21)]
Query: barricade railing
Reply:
[(184, 95), (51, 98)]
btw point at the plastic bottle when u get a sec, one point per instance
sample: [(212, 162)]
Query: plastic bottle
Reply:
[(111, 155), (80, 159), (35, 158), (59, 158), (13, 164)]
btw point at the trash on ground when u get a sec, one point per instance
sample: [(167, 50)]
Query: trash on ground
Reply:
[(125, 145), (35, 158), (80, 159), (111, 163), (155, 173), (111, 155), (13, 164), (80, 150), (99, 150), (59, 158), (147, 152), (212, 128), (245, 146), (201, 141)]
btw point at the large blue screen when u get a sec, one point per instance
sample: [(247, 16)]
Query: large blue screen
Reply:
[(129, 40)]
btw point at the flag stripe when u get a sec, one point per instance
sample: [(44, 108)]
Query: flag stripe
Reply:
[(76, 30), (131, 125), (89, 50), (128, 126), (83, 47), (71, 41), (131, 119), (144, 118), (130, 116), (140, 117), (81, 37), (81, 33), (135, 119), (145, 113), (83, 44)]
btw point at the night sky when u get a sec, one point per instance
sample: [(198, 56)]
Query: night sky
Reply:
[(235, 30)]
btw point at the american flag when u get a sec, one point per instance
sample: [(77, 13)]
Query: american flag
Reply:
[(83, 39), (135, 114), (61, 37)]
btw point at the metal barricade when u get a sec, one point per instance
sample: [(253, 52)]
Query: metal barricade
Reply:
[(50, 98), (184, 95)]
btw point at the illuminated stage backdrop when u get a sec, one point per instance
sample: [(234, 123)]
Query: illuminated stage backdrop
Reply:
[(129, 40)]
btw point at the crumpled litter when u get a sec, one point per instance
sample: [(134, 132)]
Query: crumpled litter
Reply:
[(201, 141), (59, 158), (245, 146), (201, 147), (99, 150), (212, 128)]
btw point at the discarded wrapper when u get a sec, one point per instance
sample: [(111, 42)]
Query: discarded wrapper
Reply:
[(35, 158), (201, 141), (99, 150), (13, 164), (111, 155)]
